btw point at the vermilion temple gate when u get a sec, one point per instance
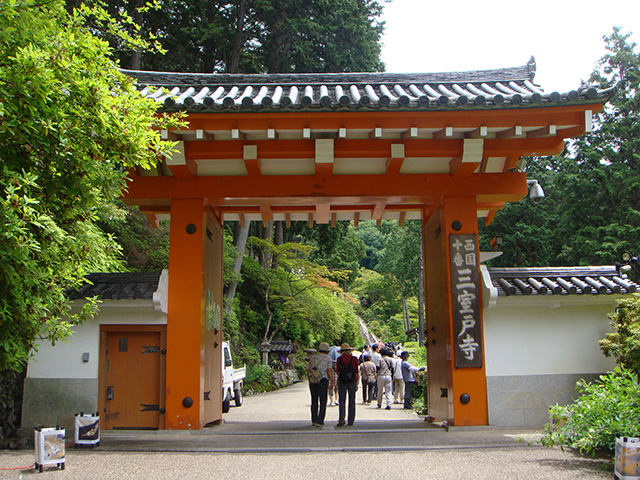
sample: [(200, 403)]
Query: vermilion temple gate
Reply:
[(442, 148)]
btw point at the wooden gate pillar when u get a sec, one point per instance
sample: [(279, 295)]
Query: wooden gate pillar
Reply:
[(455, 340), (194, 320)]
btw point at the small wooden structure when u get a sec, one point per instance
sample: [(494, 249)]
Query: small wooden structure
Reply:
[(281, 350)]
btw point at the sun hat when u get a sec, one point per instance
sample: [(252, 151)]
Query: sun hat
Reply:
[(323, 347), (345, 347)]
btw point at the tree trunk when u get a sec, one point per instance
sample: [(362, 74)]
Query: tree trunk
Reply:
[(241, 234), (279, 238), (234, 65), (267, 234), (11, 385), (136, 58), (273, 55), (405, 314)]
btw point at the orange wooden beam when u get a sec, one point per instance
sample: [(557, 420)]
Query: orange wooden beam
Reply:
[(528, 116), (394, 165), (300, 189), (378, 148), (378, 211), (184, 171), (180, 165), (253, 167), (323, 213), (429, 211), (324, 170), (153, 219), (462, 169), (267, 214), (488, 220)]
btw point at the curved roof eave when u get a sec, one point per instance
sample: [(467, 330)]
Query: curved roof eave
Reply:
[(505, 88)]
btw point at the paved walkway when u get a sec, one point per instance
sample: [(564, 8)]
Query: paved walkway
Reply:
[(271, 436)]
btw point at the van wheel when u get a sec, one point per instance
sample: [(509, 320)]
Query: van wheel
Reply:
[(237, 394), (226, 403)]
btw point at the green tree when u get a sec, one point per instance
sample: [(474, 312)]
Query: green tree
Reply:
[(592, 210), (530, 230), (601, 181), (259, 36), (374, 239), (338, 248), (604, 409), (145, 247), (287, 275), (402, 258), (623, 343), (70, 124)]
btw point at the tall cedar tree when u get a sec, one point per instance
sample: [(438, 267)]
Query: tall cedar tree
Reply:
[(260, 36), (592, 210)]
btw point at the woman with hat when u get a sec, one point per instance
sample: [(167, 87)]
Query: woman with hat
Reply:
[(320, 374), (348, 377)]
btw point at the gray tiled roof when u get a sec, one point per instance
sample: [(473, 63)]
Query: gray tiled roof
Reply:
[(482, 89), (279, 346), (561, 281), (117, 286)]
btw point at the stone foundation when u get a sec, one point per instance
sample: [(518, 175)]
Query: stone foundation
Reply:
[(524, 401)]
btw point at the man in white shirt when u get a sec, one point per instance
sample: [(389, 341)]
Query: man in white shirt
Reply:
[(320, 374), (398, 382), (409, 378)]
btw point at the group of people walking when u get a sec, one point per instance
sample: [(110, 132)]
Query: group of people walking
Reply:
[(383, 373)]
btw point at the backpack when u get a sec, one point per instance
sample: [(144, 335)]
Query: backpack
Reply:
[(346, 372), (314, 374)]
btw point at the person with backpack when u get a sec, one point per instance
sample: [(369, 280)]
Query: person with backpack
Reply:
[(320, 374), (348, 377)]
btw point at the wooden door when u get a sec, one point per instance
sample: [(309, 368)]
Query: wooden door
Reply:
[(132, 387)]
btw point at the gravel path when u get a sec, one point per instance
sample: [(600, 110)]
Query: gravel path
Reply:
[(384, 443)]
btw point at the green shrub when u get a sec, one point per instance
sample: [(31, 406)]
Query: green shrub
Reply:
[(259, 379), (605, 408), (302, 372), (623, 343), (418, 354)]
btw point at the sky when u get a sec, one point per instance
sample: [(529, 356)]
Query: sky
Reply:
[(564, 36)]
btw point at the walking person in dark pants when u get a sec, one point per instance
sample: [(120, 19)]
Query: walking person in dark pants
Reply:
[(409, 378), (368, 374), (320, 374), (348, 377)]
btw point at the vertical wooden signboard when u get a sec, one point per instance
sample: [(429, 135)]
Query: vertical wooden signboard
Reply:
[(465, 294)]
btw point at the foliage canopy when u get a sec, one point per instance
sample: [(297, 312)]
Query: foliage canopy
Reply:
[(623, 343), (592, 210), (605, 408), (258, 36), (70, 123)]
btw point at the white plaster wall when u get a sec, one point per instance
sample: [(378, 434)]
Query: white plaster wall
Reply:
[(64, 360), (547, 336)]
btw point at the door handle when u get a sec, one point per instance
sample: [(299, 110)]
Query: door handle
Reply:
[(109, 393)]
